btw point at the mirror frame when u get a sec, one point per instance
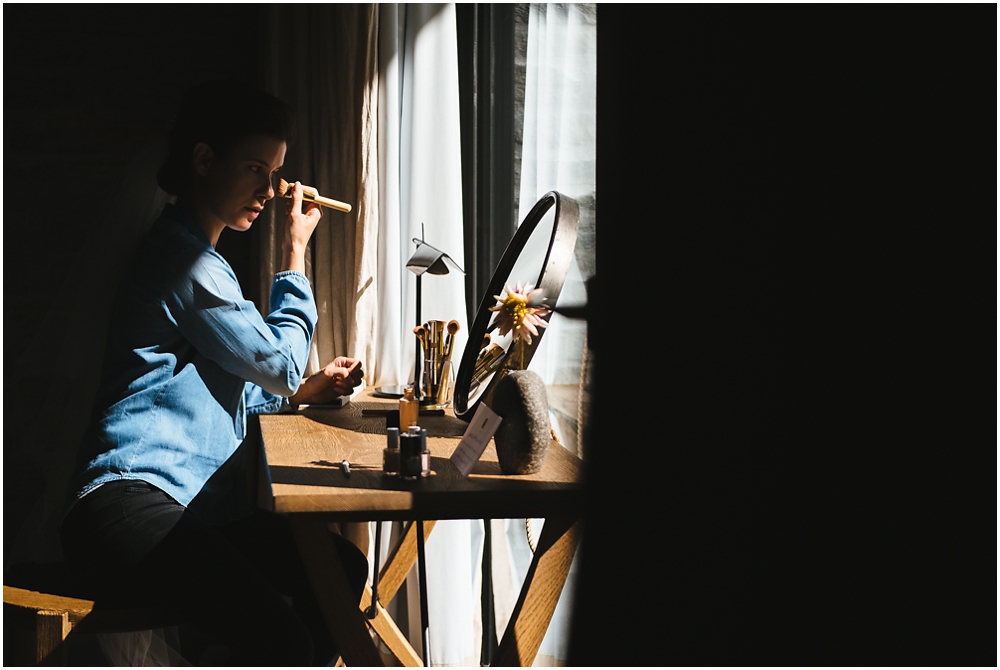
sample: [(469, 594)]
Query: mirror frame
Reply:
[(555, 266)]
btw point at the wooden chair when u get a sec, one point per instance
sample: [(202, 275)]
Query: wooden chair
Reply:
[(42, 606)]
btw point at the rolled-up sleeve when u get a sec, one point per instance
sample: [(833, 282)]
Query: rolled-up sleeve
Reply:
[(259, 401)]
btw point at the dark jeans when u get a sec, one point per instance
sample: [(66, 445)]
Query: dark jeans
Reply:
[(229, 582)]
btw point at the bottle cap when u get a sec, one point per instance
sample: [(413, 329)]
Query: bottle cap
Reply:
[(392, 437)]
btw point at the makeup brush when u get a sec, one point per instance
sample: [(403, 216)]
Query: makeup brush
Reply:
[(492, 366), (310, 194), (421, 334), (444, 383), (449, 340)]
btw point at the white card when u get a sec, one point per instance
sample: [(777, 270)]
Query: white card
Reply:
[(484, 423)]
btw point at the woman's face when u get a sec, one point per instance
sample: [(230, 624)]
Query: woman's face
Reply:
[(235, 187)]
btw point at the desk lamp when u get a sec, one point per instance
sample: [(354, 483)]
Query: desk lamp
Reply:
[(425, 259)]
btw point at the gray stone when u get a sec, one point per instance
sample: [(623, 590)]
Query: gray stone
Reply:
[(523, 437)]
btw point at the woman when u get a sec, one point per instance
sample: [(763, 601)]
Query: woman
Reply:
[(159, 508)]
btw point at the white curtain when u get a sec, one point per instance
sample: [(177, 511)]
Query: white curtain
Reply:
[(420, 180), (420, 187), (559, 154)]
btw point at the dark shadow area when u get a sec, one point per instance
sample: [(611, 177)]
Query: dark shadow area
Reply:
[(804, 198), (82, 111)]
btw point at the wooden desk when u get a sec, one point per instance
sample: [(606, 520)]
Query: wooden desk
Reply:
[(301, 477)]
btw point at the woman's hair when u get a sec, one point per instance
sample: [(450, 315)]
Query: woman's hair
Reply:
[(221, 114)]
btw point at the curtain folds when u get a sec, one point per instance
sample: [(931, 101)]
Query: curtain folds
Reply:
[(420, 184), (375, 88), (420, 175), (322, 61)]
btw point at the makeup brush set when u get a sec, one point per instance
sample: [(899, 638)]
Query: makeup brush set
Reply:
[(437, 344)]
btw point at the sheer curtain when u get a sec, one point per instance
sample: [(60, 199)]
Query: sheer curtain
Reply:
[(420, 186), (322, 61)]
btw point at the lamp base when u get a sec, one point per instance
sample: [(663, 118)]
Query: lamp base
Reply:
[(388, 391)]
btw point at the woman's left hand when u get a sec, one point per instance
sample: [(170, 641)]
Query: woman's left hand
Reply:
[(340, 377)]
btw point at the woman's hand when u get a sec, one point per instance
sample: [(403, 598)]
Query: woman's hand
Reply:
[(340, 377), (299, 226)]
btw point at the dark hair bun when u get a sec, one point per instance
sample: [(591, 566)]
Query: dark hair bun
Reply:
[(220, 113)]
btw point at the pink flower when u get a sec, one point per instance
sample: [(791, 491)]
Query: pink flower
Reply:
[(521, 311)]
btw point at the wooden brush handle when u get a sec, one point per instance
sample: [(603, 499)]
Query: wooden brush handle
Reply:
[(326, 202), (311, 194)]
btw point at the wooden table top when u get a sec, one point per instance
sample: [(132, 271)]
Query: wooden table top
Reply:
[(304, 450)]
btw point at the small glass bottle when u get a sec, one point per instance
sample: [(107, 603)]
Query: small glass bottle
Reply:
[(425, 454), (409, 409), (390, 455), (409, 456)]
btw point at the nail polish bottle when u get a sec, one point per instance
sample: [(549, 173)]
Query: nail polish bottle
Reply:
[(409, 456), (390, 455), (425, 454)]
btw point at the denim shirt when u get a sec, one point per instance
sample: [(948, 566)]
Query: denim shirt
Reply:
[(187, 358)]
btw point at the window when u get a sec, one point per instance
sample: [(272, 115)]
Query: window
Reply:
[(527, 79)]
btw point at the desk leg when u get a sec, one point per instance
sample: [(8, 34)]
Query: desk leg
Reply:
[(347, 623), (539, 594), (398, 566), (391, 577), (390, 633)]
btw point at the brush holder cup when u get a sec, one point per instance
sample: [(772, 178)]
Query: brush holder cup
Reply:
[(437, 378)]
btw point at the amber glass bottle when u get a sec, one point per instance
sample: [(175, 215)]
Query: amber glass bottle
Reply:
[(409, 410)]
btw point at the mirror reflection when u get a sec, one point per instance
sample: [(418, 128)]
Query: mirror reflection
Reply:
[(496, 356)]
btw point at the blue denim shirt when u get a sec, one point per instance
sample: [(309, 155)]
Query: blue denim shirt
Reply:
[(187, 358)]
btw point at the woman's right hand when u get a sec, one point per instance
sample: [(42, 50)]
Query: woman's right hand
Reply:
[(300, 223), (340, 377)]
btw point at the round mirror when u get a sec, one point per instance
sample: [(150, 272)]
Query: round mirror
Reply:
[(539, 254)]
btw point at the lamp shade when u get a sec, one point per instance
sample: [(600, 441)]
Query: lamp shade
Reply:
[(429, 259)]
